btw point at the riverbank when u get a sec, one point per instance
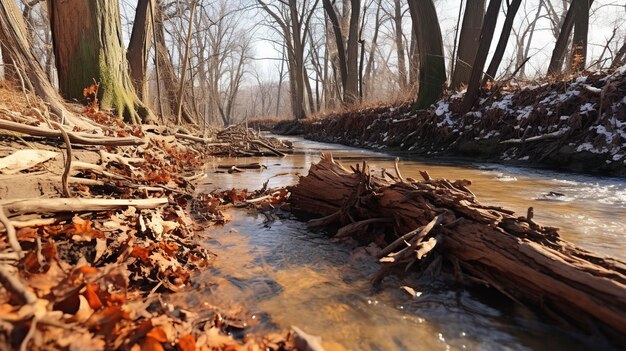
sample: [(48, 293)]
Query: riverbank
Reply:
[(102, 227), (576, 124)]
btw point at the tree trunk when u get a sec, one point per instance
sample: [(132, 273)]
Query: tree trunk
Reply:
[(87, 40), (470, 34), (503, 41), (13, 36), (581, 29), (620, 56), (170, 81), (351, 90), (347, 53), (484, 245), (560, 48), (139, 48), (432, 67), (397, 19), (367, 76), (486, 35)]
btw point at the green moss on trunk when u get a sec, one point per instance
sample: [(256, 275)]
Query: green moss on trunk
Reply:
[(88, 48)]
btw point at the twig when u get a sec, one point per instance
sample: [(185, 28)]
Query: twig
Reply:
[(29, 335), (395, 165), (12, 283), (11, 234), (68, 159)]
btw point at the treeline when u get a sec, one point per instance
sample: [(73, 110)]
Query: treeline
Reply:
[(194, 61)]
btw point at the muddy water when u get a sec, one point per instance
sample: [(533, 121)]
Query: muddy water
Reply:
[(286, 274)]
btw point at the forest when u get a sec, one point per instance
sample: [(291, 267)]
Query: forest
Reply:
[(312, 174)]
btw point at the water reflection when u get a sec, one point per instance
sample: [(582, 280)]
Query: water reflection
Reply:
[(298, 277)]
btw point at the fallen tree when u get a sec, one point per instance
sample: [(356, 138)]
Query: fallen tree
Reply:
[(430, 222)]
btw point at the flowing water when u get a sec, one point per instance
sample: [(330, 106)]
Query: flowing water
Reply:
[(286, 274)]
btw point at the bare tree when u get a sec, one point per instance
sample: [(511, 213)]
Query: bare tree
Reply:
[(293, 22), (139, 47), (432, 67), (470, 34), (348, 53), (503, 42), (486, 36)]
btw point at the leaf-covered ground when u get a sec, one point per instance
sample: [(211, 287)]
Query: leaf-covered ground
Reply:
[(98, 278)]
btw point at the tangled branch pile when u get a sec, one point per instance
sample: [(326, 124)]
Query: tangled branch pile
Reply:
[(423, 224)]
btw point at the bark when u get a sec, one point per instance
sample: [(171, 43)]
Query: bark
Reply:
[(470, 34), (294, 28), (87, 40), (581, 30), (432, 67), (487, 245), (139, 48), (486, 35), (492, 70), (14, 38), (560, 48)]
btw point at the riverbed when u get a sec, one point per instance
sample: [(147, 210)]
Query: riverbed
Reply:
[(285, 274)]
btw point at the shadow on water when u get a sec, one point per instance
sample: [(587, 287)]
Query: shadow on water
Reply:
[(286, 274)]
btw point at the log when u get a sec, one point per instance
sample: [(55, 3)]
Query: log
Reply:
[(525, 261), (21, 206), (75, 137)]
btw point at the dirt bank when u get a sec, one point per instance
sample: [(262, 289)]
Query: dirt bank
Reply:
[(577, 124)]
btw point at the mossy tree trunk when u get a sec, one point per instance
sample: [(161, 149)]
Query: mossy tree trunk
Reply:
[(87, 40), (432, 66)]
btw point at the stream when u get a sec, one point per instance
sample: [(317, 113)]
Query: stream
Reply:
[(286, 274)]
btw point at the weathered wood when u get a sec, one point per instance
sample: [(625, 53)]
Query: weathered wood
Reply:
[(525, 261), (75, 137), (21, 206)]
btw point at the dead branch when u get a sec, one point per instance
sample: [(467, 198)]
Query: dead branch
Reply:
[(11, 234), (75, 137), (12, 283), (22, 206)]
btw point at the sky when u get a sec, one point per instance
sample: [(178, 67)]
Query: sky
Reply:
[(606, 14)]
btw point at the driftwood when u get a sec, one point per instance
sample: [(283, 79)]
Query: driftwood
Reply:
[(529, 263), (20, 206), (243, 166)]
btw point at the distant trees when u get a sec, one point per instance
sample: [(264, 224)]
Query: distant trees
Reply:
[(347, 43), (197, 56), (293, 22)]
